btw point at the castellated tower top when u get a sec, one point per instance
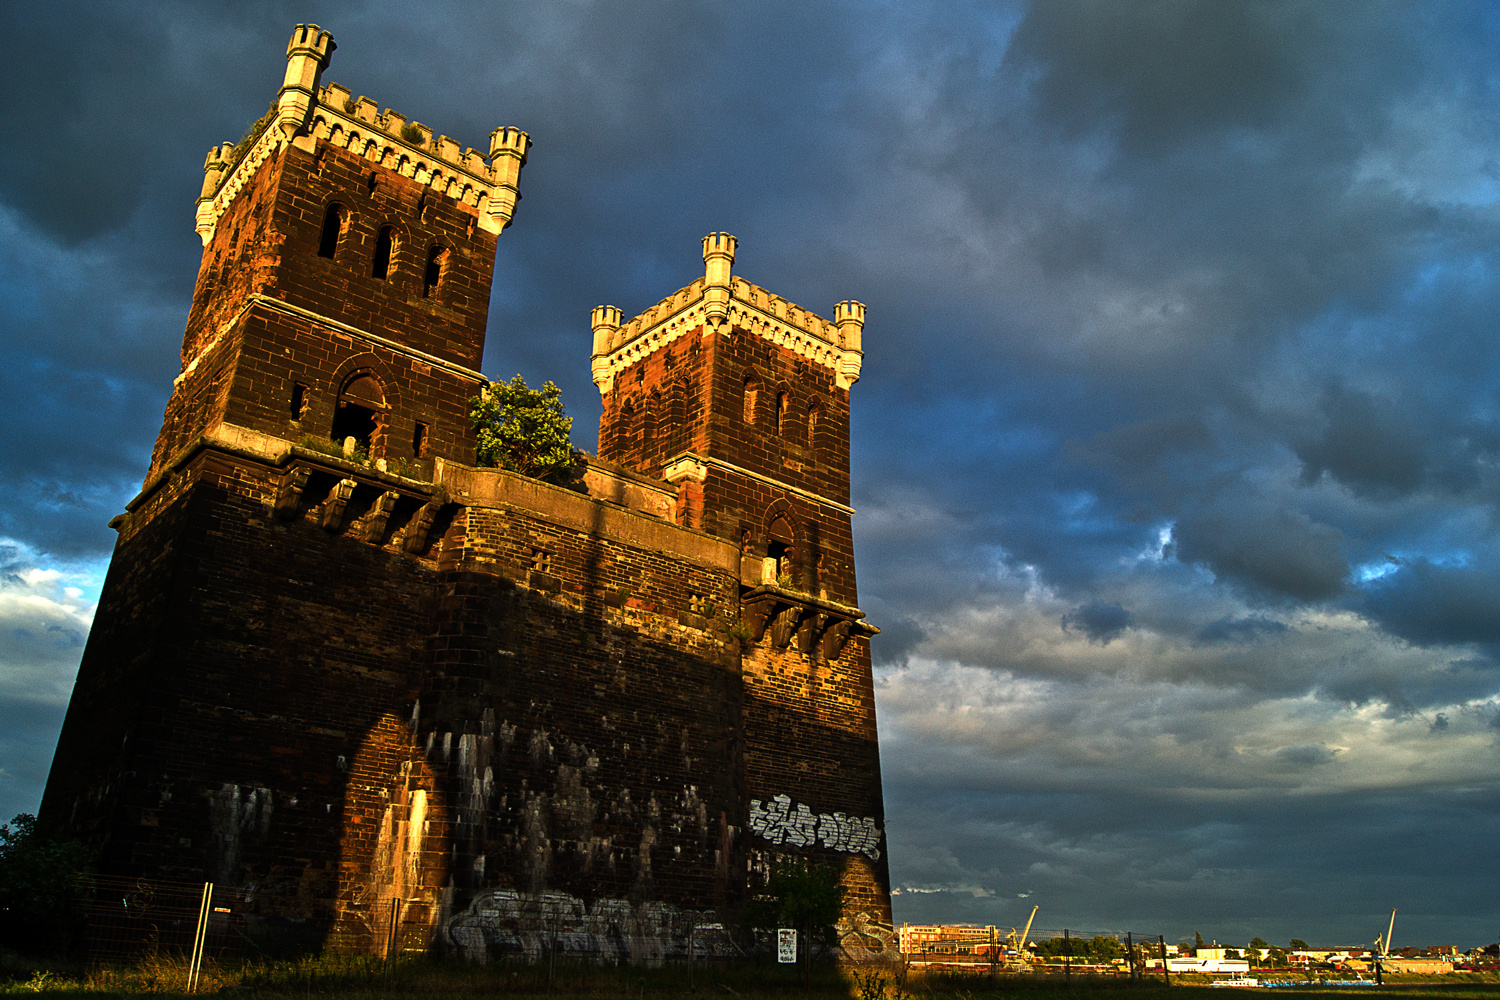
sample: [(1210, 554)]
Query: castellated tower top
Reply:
[(718, 303), (305, 112)]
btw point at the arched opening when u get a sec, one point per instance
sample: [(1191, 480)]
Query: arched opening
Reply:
[(779, 553), (360, 414), (814, 414), (334, 221), (650, 416), (385, 247), (437, 265), (624, 428), (783, 401), (752, 394)]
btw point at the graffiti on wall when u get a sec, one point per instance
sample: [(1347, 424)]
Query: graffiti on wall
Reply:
[(782, 821), (502, 922)]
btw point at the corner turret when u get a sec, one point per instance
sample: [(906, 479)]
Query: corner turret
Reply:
[(508, 148), (606, 322), (306, 57), (849, 317), (718, 259)]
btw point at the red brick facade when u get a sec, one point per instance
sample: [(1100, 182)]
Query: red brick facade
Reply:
[(350, 671)]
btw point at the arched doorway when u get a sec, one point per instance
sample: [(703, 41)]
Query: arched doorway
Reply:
[(361, 414)]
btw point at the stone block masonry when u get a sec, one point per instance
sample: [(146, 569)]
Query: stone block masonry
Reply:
[(336, 663)]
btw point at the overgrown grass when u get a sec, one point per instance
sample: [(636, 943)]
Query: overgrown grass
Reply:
[(359, 976)]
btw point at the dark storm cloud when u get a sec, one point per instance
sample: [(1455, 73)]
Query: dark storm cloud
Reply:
[(1433, 605), (1365, 443), (1161, 70), (1099, 620), (1279, 552), (1180, 308), (1239, 629)]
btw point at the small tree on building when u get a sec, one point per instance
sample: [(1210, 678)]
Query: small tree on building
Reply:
[(525, 430)]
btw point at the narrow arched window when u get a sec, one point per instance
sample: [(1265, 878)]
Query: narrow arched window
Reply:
[(814, 414), (385, 247), (333, 230), (783, 401), (650, 414), (752, 393), (780, 548), (624, 429), (437, 264)]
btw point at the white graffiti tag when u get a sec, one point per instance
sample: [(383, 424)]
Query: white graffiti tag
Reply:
[(782, 822)]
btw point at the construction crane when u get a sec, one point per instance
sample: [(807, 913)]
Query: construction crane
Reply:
[(1017, 945), (1383, 944)]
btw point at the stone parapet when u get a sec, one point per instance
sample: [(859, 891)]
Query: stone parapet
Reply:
[(719, 300), (306, 113)]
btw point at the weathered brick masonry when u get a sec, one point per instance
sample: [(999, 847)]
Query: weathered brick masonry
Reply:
[(334, 661)]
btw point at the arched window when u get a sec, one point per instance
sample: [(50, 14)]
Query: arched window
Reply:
[(437, 265), (385, 248), (752, 392), (814, 414), (334, 221), (779, 553), (624, 428), (783, 401), (650, 414), (360, 414)]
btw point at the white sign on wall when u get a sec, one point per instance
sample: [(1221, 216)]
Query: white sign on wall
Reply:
[(786, 946)]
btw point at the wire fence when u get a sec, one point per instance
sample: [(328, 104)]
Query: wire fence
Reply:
[(131, 918)]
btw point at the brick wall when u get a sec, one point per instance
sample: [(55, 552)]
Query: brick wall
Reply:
[(457, 687)]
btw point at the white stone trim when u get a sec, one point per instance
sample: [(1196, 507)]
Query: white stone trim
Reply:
[(488, 186), (802, 332)]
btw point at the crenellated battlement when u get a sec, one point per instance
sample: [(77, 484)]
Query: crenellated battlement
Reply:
[(720, 298), (306, 112)]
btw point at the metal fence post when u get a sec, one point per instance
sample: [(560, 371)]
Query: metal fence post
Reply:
[(200, 937), (392, 939)]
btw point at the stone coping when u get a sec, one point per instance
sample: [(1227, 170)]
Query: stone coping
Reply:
[(305, 114), (750, 308)]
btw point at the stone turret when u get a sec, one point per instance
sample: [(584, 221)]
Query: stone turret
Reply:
[(508, 148), (849, 317), (718, 258), (307, 56), (606, 322)]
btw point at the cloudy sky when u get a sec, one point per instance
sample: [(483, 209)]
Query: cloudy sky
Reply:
[(1177, 450)]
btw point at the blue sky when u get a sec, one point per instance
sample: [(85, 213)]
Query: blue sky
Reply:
[(1176, 451)]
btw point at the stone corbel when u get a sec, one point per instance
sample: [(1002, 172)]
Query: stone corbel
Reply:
[(834, 638), (332, 518), (289, 493), (819, 626), (372, 528), (786, 625), (413, 537)]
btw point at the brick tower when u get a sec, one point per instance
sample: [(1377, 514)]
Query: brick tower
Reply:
[(741, 399), (269, 598), (336, 663)]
